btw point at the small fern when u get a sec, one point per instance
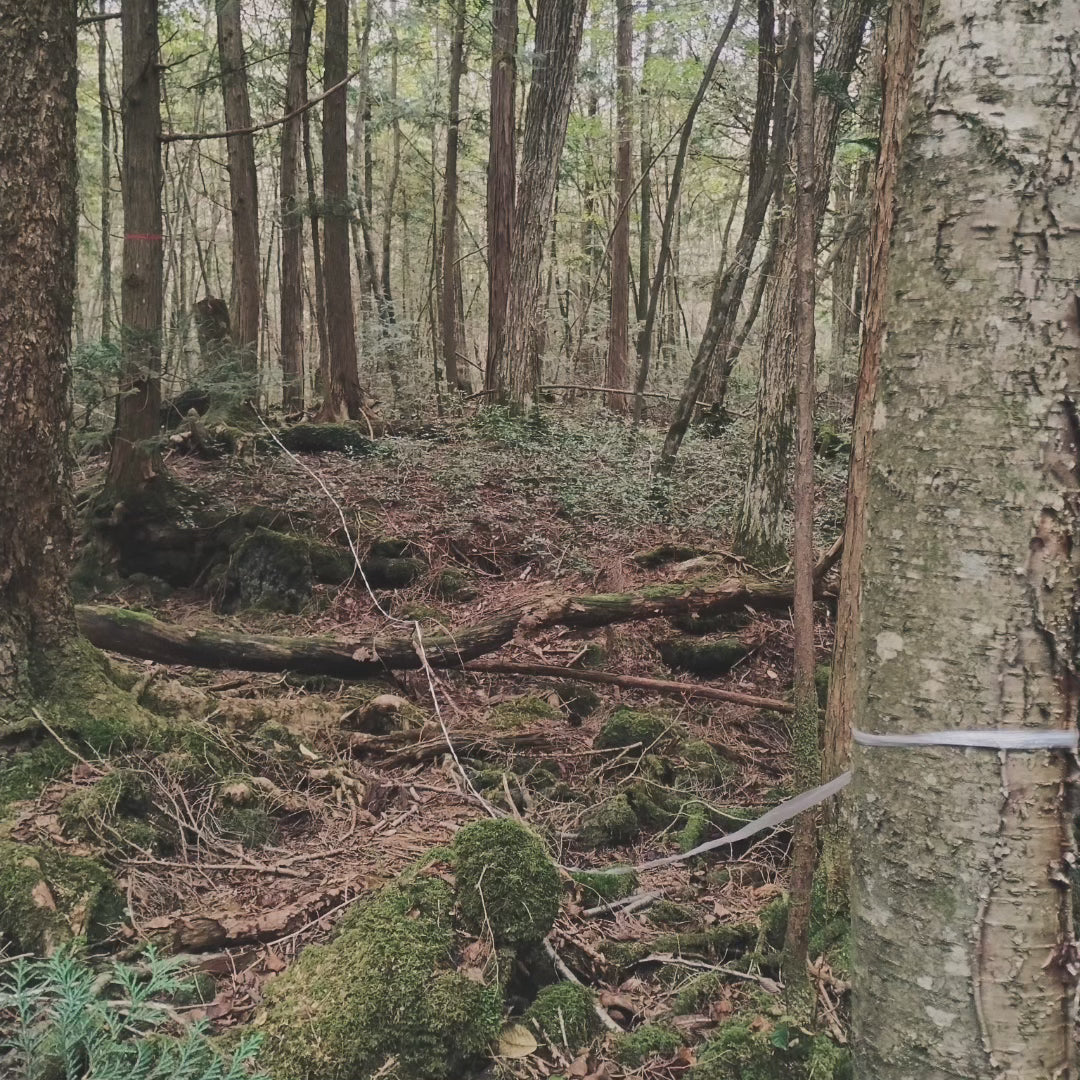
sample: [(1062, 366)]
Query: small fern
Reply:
[(62, 1019)]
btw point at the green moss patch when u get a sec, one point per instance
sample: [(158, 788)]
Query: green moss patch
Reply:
[(650, 1040), (25, 773), (268, 571), (564, 1014), (744, 1050), (599, 885), (322, 439), (522, 712), (706, 657), (635, 728)]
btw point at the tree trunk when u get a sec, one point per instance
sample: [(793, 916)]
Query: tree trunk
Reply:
[(37, 281), (763, 176), (960, 899), (342, 397), (106, 177), (558, 38), (292, 217), (805, 731), (500, 173), (135, 455), (617, 371), (243, 189), (453, 341), (759, 529), (901, 48), (322, 379), (387, 289), (641, 299)]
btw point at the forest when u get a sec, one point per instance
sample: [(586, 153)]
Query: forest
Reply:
[(539, 539)]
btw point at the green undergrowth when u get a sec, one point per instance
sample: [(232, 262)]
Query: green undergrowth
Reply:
[(564, 1013)]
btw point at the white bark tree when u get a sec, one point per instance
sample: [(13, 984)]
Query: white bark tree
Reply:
[(961, 908)]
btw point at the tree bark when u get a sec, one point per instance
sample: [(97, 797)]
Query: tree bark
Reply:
[(763, 175), (805, 731), (135, 634), (106, 177), (453, 339), (322, 379), (960, 900), (37, 280), (558, 38), (759, 528), (501, 174), (342, 397), (135, 457), (243, 188), (292, 216), (617, 369), (641, 298)]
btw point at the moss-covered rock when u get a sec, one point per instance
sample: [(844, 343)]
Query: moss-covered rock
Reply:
[(48, 897), (600, 885), (393, 573), (507, 884), (451, 584), (522, 712), (697, 993), (578, 699), (696, 828), (744, 1050), (564, 1013), (669, 913), (323, 439), (703, 762), (117, 809), (706, 657), (385, 988), (268, 571), (635, 728), (650, 1040), (609, 824)]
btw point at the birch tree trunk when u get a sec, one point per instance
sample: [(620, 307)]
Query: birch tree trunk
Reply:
[(961, 906)]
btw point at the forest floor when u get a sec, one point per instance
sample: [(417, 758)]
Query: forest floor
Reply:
[(517, 510)]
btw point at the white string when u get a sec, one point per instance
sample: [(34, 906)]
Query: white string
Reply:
[(990, 739)]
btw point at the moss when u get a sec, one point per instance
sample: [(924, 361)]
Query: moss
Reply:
[(114, 808), (670, 913), (605, 885), (623, 955), (707, 657), (696, 994), (393, 573), (268, 571), (200, 989), (48, 897), (822, 675), (522, 712), (322, 439), (451, 584), (649, 1040), (743, 1050), (25, 773), (609, 824), (696, 829), (697, 624), (251, 826), (702, 762), (716, 943), (506, 882), (412, 609), (595, 656), (384, 988), (392, 547), (564, 1013), (631, 727), (577, 699)]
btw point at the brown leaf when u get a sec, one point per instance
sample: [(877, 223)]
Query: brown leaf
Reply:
[(274, 961), (517, 1041)]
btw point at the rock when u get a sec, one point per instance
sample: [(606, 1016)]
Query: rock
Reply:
[(322, 439), (644, 731), (268, 571), (706, 657)]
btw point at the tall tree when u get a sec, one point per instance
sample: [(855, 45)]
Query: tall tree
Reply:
[(453, 341), (616, 373), (292, 217), (500, 172), (42, 663), (962, 921), (105, 115), (759, 527), (558, 38), (342, 397), (243, 185), (134, 459)]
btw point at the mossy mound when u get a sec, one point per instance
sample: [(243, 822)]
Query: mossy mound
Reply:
[(115, 810), (650, 1040), (578, 699), (385, 988), (611, 823), (521, 712), (268, 571), (322, 439), (742, 1050), (24, 774), (48, 897), (719, 944), (705, 657), (564, 1014), (451, 584), (507, 884), (669, 913), (605, 885), (701, 761), (644, 731), (393, 573)]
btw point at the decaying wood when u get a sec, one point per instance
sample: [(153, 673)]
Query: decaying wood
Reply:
[(142, 636), (630, 682)]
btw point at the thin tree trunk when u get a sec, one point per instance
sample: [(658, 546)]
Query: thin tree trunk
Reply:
[(243, 188), (558, 38), (901, 49), (395, 173), (106, 177), (759, 529), (453, 340), (645, 334), (38, 64), (962, 917), (292, 218), (135, 456), (617, 370), (641, 300), (342, 397), (323, 380), (763, 176), (805, 728)]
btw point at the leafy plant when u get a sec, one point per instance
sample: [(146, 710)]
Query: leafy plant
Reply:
[(63, 1019)]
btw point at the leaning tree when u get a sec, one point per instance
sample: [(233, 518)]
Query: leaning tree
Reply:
[(964, 954)]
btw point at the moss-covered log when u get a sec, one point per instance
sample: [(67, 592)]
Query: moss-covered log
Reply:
[(133, 634)]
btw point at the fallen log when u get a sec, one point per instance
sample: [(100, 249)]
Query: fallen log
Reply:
[(135, 634), (630, 682)]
